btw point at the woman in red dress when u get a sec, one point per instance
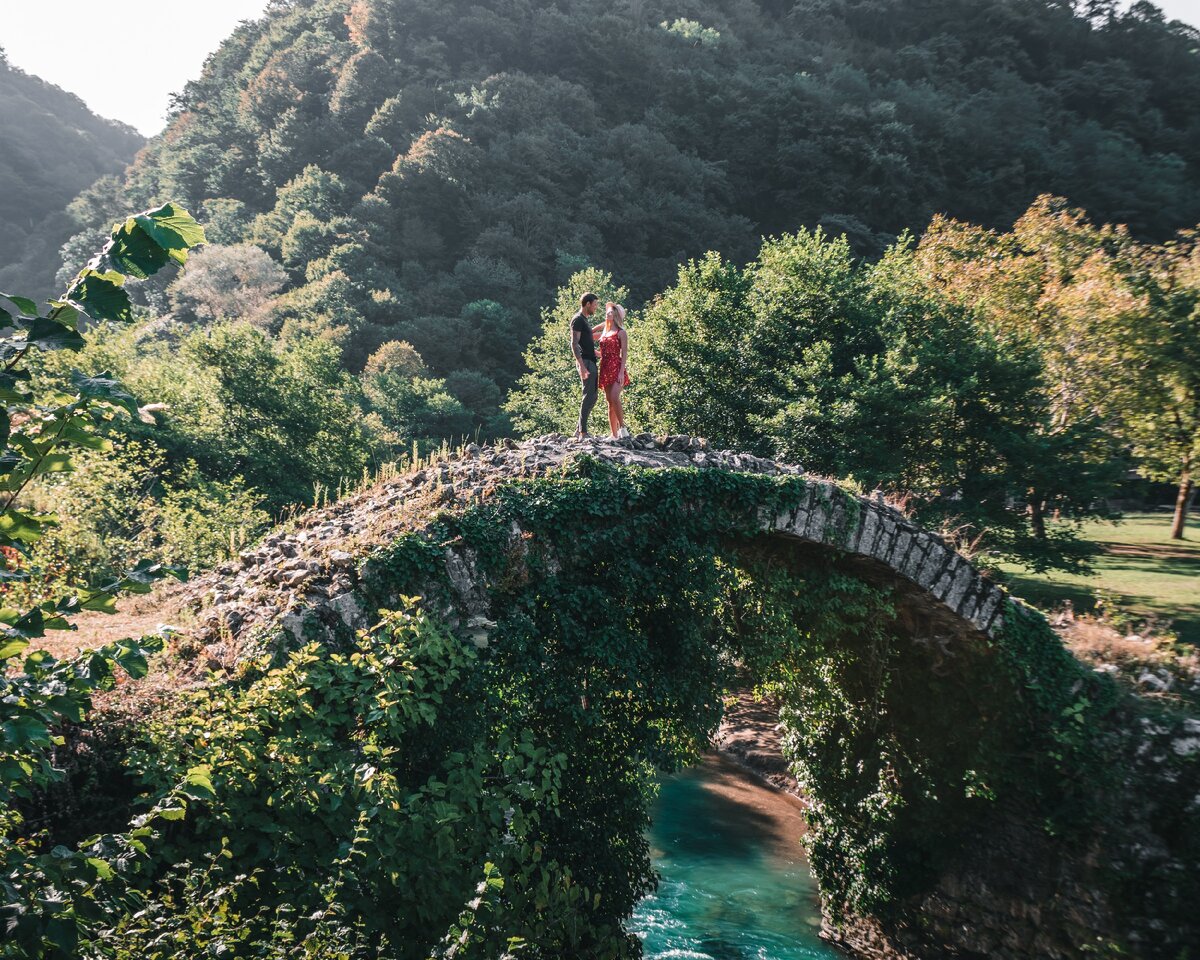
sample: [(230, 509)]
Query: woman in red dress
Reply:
[(614, 354)]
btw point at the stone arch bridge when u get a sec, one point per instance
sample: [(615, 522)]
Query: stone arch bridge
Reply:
[(1008, 887), (301, 578)]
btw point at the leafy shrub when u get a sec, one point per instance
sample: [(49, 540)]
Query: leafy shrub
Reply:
[(360, 798), (126, 504), (54, 895)]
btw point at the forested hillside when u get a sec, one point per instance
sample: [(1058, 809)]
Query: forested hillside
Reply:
[(430, 171), (52, 147)]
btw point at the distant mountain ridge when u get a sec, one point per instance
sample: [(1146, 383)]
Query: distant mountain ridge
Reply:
[(52, 147)]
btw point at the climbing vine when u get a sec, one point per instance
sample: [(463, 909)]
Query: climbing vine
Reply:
[(425, 791), (626, 602)]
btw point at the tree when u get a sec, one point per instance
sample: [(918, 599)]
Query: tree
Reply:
[(862, 372), (283, 415), (411, 404), (1112, 318), (227, 283), (1159, 407)]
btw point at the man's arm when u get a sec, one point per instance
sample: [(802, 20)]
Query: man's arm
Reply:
[(584, 373)]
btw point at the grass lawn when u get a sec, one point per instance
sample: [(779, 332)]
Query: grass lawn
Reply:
[(1147, 573)]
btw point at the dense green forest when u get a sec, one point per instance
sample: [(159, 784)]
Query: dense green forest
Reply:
[(403, 200), (430, 172), (53, 147)]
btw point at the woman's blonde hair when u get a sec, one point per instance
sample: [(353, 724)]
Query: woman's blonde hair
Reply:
[(618, 313)]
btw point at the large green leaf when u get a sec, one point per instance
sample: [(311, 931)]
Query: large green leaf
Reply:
[(84, 438), (23, 730), (17, 526), (141, 577), (50, 463), (99, 602), (24, 304), (198, 783), (8, 386), (11, 646), (28, 625), (101, 295), (64, 313), (47, 334), (173, 229), (135, 251), (103, 387)]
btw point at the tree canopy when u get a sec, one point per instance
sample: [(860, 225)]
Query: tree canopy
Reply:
[(431, 172)]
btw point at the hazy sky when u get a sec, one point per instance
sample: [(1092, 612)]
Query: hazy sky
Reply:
[(161, 45), (1186, 10), (72, 43)]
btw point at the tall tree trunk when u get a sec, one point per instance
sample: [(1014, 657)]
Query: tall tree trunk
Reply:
[(1037, 515), (1182, 502)]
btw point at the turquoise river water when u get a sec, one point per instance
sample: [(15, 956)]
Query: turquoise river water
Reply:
[(735, 884)]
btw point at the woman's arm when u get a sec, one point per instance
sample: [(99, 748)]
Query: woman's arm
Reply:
[(624, 341), (597, 330)]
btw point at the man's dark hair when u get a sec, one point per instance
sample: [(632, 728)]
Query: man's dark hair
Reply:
[(588, 298)]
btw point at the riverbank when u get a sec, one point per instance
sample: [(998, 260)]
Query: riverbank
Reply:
[(749, 736)]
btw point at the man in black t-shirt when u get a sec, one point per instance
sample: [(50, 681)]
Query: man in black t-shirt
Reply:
[(584, 349)]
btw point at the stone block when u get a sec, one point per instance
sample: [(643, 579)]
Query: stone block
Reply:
[(818, 515), (915, 557), (946, 580), (964, 580), (868, 529), (900, 548), (887, 535), (988, 608)]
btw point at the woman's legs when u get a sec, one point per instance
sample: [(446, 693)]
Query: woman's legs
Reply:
[(614, 403), (612, 395)]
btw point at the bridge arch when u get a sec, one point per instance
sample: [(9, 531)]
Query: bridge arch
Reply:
[(962, 766)]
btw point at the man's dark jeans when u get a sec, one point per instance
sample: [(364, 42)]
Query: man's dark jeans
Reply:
[(589, 395)]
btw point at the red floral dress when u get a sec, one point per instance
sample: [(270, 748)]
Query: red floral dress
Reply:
[(610, 360)]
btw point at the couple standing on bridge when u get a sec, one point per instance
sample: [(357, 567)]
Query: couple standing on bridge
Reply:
[(613, 375)]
